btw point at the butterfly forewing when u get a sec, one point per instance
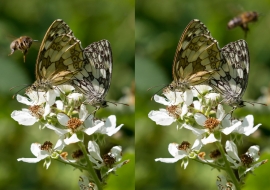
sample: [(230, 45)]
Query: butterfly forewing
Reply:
[(95, 78), (231, 80), (197, 57), (60, 57)]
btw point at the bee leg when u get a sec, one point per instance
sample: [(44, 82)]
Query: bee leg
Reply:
[(12, 51), (245, 28)]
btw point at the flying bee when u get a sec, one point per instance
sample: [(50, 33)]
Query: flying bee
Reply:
[(22, 43), (242, 20)]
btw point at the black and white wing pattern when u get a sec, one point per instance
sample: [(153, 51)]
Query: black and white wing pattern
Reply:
[(95, 78), (196, 58), (232, 78)]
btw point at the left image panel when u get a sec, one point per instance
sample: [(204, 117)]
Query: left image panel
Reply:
[(67, 95)]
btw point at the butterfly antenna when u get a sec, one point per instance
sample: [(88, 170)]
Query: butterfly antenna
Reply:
[(114, 103), (164, 85), (25, 85), (253, 103), (156, 86)]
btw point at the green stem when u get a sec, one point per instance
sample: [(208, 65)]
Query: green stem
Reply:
[(72, 164), (90, 168), (70, 111), (228, 167), (210, 164)]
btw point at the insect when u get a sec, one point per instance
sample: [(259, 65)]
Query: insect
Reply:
[(232, 78), (95, 78), (242, 20), (60, 57), (22, 43), (197, 57)]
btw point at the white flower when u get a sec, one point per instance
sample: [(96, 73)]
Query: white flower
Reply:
[(247, 127), (247, 163), (210, 125), (161, 117), (75, 99), (86, 124), (84, 184), (177, 106), (65, 88), (180, 152), (43, 153), (39, 97), (200, 89), (31, 115), (115, 155), (223, 184), (109, 127)]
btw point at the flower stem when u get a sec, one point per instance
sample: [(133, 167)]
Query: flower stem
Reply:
[(90, 167), (72, 164), (228, 168), (210, 164)]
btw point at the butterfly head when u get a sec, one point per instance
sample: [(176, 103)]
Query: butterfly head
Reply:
[(43, 85), (177, 87), (234, 101), (97, 102)]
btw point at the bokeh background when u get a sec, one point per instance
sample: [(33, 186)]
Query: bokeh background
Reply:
[(90, 20), (159, 25)]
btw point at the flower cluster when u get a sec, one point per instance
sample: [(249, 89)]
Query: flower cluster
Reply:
[(199, 110), (62, 110)]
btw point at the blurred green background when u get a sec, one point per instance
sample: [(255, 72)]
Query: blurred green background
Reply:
[(90, 20), (159, 25)]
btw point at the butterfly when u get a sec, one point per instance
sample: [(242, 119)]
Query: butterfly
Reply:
[(196, 58), (60, 57), (95, 77), (232, 78)]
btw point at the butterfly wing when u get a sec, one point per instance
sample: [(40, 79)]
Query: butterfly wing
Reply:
[(95, 78), (197, 55), (231, 80), (60, 55)]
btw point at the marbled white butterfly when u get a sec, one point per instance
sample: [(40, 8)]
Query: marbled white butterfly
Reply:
[(60, 57), (197, 57), (95, 78), (232, 78)]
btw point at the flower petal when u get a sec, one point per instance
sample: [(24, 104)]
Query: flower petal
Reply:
[(24, 117), (167, 160), (232, 151), (72, 139), (188, 97), (210, 139), (63, 119), (161, 117), (94, 150), (200, 118), (29, 160)]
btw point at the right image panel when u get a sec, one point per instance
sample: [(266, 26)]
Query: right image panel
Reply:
[(202, 94)]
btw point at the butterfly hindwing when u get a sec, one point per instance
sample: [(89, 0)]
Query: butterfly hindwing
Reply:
[(95, 78)]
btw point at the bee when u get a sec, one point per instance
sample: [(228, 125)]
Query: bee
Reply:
[(242, 20), (22, 43)]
